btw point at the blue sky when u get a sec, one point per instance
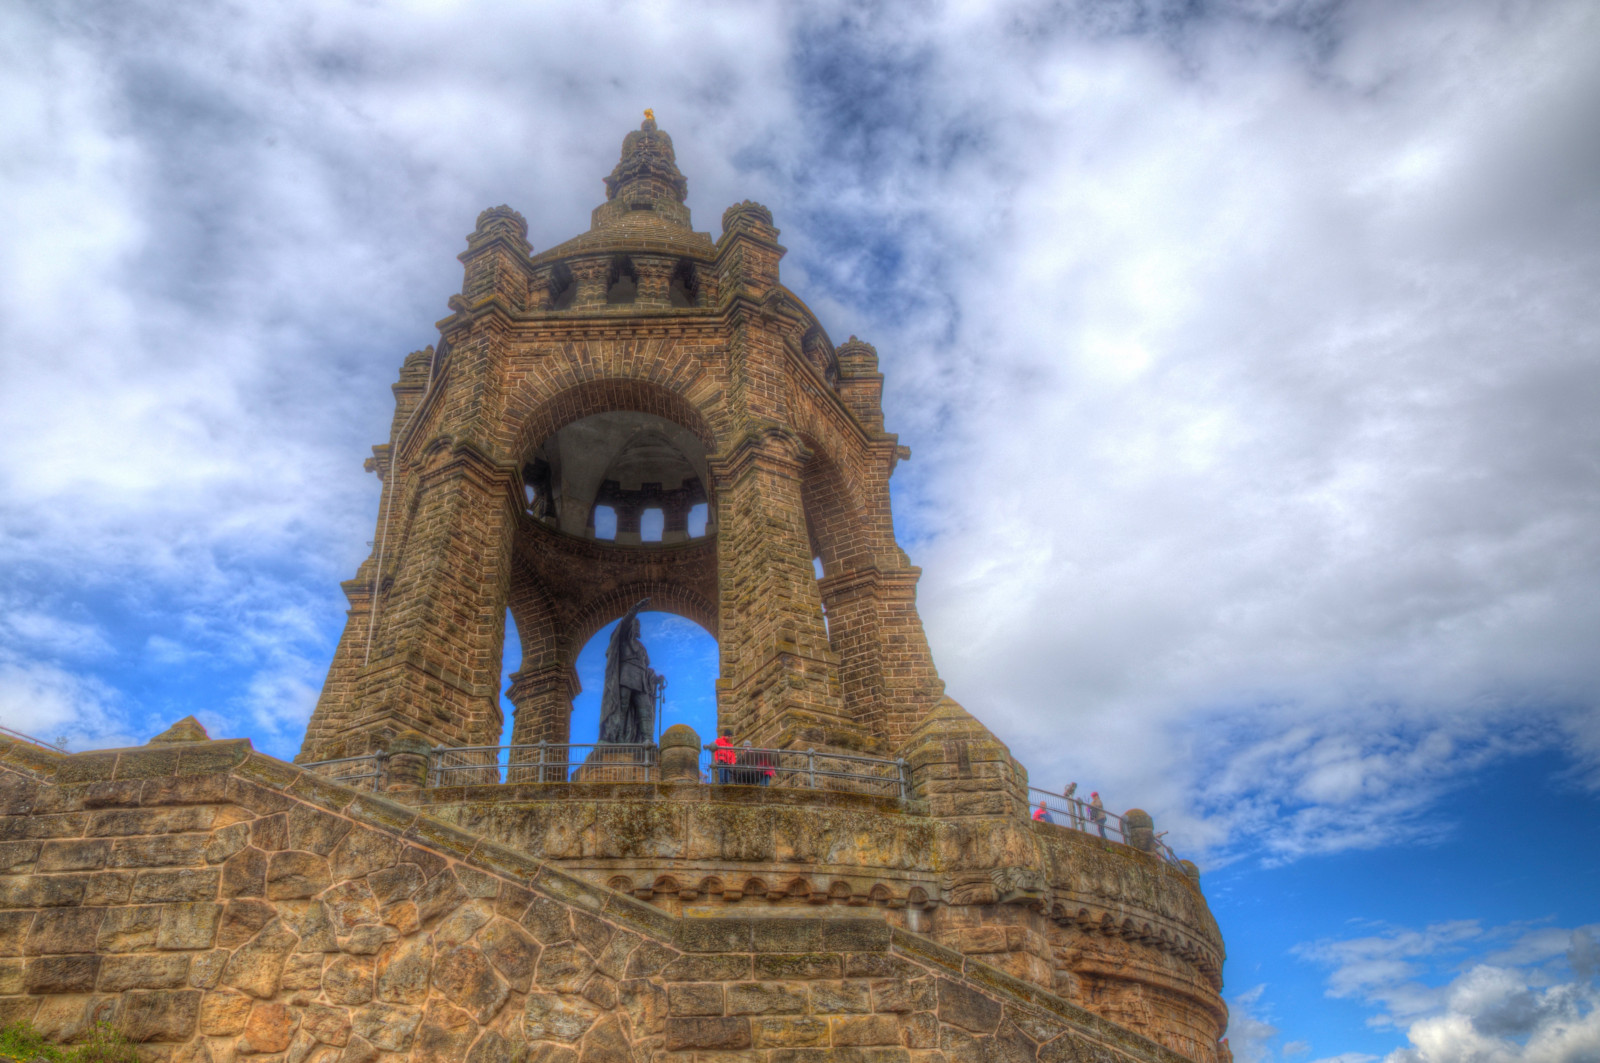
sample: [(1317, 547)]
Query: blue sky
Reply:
[(1246, 350)]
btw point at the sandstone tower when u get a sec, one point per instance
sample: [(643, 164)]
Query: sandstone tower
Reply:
[(877, 893)]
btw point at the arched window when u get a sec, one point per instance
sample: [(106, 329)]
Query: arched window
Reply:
[(623, 284), (685, 286), (699, 517), (563, 288), (605, 522), (652, 522)]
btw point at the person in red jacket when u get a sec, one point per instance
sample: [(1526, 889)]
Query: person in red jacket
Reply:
[(722, 756), (1042, 814)]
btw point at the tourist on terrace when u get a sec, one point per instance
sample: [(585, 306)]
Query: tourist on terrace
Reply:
[(1042, 814), (723, 756), (1097, 812)]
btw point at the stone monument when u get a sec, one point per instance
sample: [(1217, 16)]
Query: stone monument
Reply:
[(408, 890)]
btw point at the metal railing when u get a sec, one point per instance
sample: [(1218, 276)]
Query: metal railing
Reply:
[(1078, 814), (351, 771), (542, 762), (30, 738), (806, 769)]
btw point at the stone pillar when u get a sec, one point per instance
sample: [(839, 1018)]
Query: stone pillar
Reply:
[(675, 519), (680, 754), (655, 280), (590, 277), (628, 516), (496, 259), (1139, 830), (406, 765), (542, 697), (780, 678), (961, 769), (435, 664)]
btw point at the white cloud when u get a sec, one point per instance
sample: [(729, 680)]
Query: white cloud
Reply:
[(1463, 993), (1247, 351)]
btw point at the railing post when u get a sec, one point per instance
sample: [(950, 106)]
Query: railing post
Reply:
[(900, 763), (541, 759), (811, 768)]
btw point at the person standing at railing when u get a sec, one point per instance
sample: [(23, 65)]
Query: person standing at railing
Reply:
[(723, 757), (1097, 812), (1042, 814), (1074, 806)]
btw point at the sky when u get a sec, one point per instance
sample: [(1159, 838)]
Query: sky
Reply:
[(1246, 350)]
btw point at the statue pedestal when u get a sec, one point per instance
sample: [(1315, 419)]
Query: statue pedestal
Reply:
[(618, 764)]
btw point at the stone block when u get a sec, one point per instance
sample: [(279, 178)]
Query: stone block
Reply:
[(553, 1017), (159, 1015), (650, 958), (42, 891), (548, 921), (205, 968), (694, 998), (142, 971), (329, 1026), (315, 831), (966, 1008), (388, 1027), (361, 852), (225, 841), (14, 932), (865, 1030), (512, 950), (840, 998), (570, 888), (129, 929), (764, 998), (183, 884), (438, 897), (490, 1048), (269, 1029), (294, 874), (190, 925), (120, 823), (855, 935), (302, 970), (902, 995), (108, 888), (308, 920), (468, 979), (66, 1017), (75, 854), (444, 1036), (601, 991), (61, 974), (805, 965), (63, 930), (714, 935), (11, 975), (395, 883), (271, 833), (223, 1014), (257, 966), (564, 967), (477, 884), (707, 968), (459, 925), (22, 856), (404, 970), (162, 850), (242, 919), (349, 980), (920, 1030), (797, 1031), (708, 1033)]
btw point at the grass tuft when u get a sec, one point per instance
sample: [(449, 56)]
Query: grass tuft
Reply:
[(22, 1041)]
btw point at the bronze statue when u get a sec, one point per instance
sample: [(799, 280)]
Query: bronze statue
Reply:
[(628, 703)]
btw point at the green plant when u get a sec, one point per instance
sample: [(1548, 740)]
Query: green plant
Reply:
[(102, 1044)]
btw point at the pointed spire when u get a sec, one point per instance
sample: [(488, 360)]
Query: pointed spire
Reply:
[(647, 177)]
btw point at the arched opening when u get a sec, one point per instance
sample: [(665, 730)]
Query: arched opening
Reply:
[(652, 522), (603, 522), (563, 287), (680, 649), (622, 285), (684, 289), (699, 519)]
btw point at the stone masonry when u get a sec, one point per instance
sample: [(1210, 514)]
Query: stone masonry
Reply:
[(219, 905)]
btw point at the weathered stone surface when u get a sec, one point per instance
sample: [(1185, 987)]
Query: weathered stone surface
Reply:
[(463, 974), (388, 1027), (225, 841), (841, 998), (606, 1043), (142, 971), (763, 998), (553, 1017), (459, 926), (348, 980), (329, 1026), (709, 1033), (404, 971), (444, 1036), (257, 966), (490, 1047), (64, 930), (695, 998), (242, 919), (548, 921), (966, 1008), (159, 1015), (801, 965), (268, 1029), (564, 967), (176, 885), (512, 950), (896, 995), (293, 875), (796, 1031), (244, 874), (865, 1030), (315, 831), (76, 854), (396, 883), (224, 1013), (205, 968), (192, 925), (129, 929), (61, 974), (302, 970), (309, 921), (361, 852)]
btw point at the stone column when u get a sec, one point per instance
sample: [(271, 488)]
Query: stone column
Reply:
[(675, 519), (780, 678), (655, 280), (406, 766), (591, 277), (543, 697), (628, 516)]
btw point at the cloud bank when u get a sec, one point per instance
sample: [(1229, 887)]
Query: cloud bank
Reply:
[(1246, 351)]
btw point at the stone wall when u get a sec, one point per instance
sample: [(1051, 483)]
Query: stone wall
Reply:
[(217, 904)]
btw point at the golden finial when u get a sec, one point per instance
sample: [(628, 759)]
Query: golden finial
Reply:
[(649, 114)]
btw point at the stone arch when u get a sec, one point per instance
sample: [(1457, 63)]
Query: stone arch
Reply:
[(835, 512), (539, 416), (603, 608)]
